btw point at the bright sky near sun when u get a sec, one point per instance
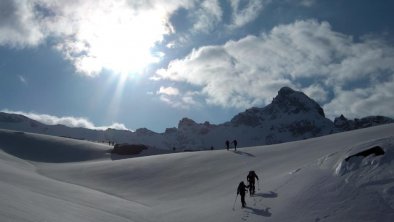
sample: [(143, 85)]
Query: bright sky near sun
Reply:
[(129, 64)]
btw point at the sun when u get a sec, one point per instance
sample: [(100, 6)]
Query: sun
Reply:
[(119, 39)]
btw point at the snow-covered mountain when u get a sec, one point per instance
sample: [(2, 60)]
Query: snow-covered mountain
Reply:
[(291, 116), (329, 178)]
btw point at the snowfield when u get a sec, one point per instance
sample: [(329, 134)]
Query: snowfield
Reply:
[(46, 178)]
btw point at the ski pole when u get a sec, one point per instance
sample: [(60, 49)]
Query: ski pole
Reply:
[(258, 184), (234, 202)]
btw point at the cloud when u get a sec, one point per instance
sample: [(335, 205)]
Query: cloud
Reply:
[(173, 97), (114, 35), (171, 91), (207, 16), (22, 79), (246, 11), (120, 36), (19, 25), (69, 121), (307, 3), (307, 55), (317, 92), (360, 102), (94, 35)]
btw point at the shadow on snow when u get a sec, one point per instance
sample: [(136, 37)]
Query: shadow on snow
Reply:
[(244, 153), (271, 194), (261, 212)]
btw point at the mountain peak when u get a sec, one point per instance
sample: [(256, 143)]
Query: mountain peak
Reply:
[(186, 122), (291, 101), (287, 103), (284, 91)]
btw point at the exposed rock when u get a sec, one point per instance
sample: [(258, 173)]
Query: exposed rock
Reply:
[(186, 122), (128, 149), (376, 150), (144, 132), (290, 101), (170, 130), (345, 124)]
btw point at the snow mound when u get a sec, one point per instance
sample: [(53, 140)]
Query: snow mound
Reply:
[(367, 156), (370, 166), (50, 149)]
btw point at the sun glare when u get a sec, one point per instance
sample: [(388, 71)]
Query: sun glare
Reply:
[(120, 40)]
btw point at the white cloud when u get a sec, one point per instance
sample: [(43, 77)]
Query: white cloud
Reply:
[(114, 35), (176, 99), (93, 34), (69, 121), (117, 126), (97, 35), (207, 16), (307, 3), (22, 79), (306, 55), (19, 25), (246, 11), (171, 91), (371, 100), (316, 92)]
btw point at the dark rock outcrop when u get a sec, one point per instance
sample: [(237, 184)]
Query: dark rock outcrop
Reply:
[(128, 149), (345, 124), (376, 150)]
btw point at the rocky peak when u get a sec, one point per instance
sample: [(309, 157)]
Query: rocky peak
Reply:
[(170, 130), (186, 122), (251, 117), (284, 91), (144, 131), (290, 101), (342, 122), (345, 124), (287, 102)]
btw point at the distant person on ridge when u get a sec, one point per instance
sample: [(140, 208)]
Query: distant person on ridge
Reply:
[(227, 144), (235, 144), (251, 180), (241, 191)]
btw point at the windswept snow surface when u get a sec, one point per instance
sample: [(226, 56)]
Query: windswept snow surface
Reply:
[(45, 178)]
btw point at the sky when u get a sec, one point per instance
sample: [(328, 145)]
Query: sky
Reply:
[(130, 64)]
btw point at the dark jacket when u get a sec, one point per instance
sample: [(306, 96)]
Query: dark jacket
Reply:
[(251, 177), (242, 189)]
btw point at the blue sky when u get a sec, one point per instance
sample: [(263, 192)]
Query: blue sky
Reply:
[(136, 63)]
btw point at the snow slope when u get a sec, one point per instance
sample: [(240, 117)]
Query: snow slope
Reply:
[(307, 180)]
